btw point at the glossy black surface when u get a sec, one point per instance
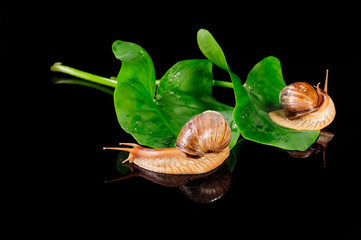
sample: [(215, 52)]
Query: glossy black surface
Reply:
[(64, 127)]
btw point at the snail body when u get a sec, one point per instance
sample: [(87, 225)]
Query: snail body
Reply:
[(304, 108), (202, 145)]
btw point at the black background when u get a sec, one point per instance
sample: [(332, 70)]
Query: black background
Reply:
[(59, 130)]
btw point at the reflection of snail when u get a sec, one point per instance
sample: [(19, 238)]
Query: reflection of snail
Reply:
[(202, 145), (304, 108), (319, 146), (209, 188), (202, 188)]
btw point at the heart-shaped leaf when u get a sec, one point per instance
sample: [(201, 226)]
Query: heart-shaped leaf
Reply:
[(259, 96), (155, 117), (256, 98)]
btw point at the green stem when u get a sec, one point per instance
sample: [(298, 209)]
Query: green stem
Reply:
[(222, 84), (59, 67)]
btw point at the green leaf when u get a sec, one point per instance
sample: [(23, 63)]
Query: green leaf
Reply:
[(234, 154), (256, 98), (155, 117), (211, 49), (259, 96)]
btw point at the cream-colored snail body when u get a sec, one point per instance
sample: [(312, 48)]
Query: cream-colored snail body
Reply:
[(202, 145), (304, 108)]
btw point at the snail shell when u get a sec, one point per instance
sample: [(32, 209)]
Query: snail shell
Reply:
[(207, 132), (299, 99), (304, 108), (202, 145)]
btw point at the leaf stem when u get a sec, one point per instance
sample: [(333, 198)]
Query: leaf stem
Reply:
[(222, 84), (59, 67)]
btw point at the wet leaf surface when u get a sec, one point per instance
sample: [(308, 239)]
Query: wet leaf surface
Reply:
[(256, 98), (155, 116)]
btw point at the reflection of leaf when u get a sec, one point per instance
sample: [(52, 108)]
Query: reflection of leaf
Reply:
[(153, 117), (256, 98), (233, 155)]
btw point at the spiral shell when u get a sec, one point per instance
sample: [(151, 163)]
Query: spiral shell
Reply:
[(300, 98), (204, 133), (304, 108)]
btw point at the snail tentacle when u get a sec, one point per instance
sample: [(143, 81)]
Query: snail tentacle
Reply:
[(132, 151)]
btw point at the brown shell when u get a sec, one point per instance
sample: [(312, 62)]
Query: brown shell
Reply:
[(304, 108), (300, 98), (204, 133)]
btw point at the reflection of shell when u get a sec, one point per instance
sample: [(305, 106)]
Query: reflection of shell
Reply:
[(210, 188), (206, 132), (202, 188)]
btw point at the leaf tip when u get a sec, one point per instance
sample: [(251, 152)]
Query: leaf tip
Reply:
[(55, 67), (202, 31), (116, 44), (273, 58)]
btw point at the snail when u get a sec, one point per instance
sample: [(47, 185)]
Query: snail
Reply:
[(304, 108), (201, 146)]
